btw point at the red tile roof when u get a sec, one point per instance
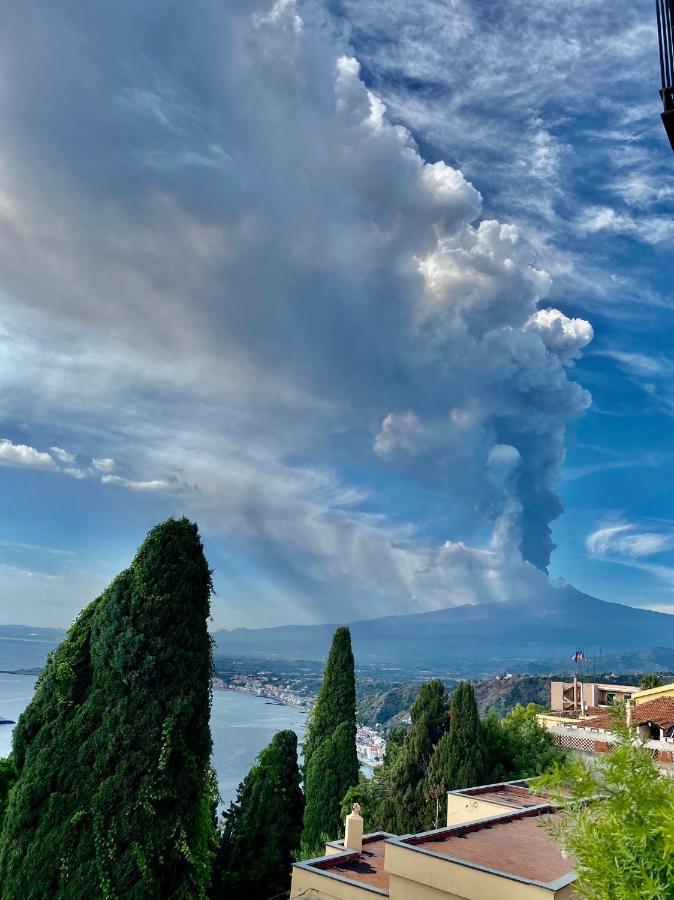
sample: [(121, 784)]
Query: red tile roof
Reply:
[(515, 795), (659, 712), (518, 845), (599, 717), (366, 867)]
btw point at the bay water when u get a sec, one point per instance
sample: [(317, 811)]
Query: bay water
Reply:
[(241, 724)]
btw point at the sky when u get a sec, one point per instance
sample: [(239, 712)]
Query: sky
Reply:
[(379, 293)]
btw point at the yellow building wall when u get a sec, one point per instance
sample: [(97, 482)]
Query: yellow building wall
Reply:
[(442, 879), (462, 809), (305, 880), (403, 889), (657, 693)]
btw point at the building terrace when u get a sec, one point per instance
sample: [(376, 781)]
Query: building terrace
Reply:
[(591, 729), (496, 844)]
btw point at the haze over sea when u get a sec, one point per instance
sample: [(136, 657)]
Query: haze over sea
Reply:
[(241, 724)]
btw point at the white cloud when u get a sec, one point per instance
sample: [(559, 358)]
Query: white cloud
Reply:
[(23, 455), (623, 540), (155, 484), (103, 464), (75, 472), (653, 229), (641, 363), (62, 455), (399, 432), (563, 336)]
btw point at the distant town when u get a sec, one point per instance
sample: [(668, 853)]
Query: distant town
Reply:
[(370, 742)]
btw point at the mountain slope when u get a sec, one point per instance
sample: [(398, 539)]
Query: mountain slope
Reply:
[(471, 639)]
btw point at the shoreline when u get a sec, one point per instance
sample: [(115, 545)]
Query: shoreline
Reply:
[(274, 700)]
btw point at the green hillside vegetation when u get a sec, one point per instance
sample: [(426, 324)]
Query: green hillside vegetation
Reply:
[(115, 791), (390, 707)]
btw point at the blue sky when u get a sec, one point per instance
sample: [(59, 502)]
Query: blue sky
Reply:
[(373, 290)]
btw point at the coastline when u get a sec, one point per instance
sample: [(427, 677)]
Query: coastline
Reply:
[(301, 707)]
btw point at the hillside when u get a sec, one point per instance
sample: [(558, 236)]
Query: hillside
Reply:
[(473, 641), (391, 707)]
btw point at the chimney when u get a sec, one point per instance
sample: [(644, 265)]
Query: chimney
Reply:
[(353, 835)]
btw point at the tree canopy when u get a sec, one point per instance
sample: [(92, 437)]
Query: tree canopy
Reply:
[(328, 778), (115, 789), (330, 759), (516, 746), (263, 826), (7, 779), (649, 680), (336, 700), (623, 842), (408, 792)]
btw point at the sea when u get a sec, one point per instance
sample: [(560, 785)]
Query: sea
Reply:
[(241, 724)]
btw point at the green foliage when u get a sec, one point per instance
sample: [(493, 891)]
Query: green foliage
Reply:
[(330, 759), (648, 681), (7, 779), (263, 827), (458, 761), (329, 777), (396, 798), (384, 707), (622, 844), (516, 746), (336, 701), (115, 789), (408, 792)]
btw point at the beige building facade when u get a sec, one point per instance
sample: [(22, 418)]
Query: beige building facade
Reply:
[(576, 695), (495, 845), (591, 729)]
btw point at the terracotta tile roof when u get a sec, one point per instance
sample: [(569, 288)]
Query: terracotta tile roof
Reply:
[(518, 845), (659, 712), (598, 718), (515, 795), (366, 867)]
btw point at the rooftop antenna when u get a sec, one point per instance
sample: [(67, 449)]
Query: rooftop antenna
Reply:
[(665, 15)]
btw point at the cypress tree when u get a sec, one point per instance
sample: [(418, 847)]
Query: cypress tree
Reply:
[(263, 826), (459, 759), (115, 789), (410, 771), (328, 779), (336, 701), (330, 759)]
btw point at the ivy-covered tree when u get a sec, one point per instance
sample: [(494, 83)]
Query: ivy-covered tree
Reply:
[(263, 827), (115, 789), (330, 758), (7, 779)]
